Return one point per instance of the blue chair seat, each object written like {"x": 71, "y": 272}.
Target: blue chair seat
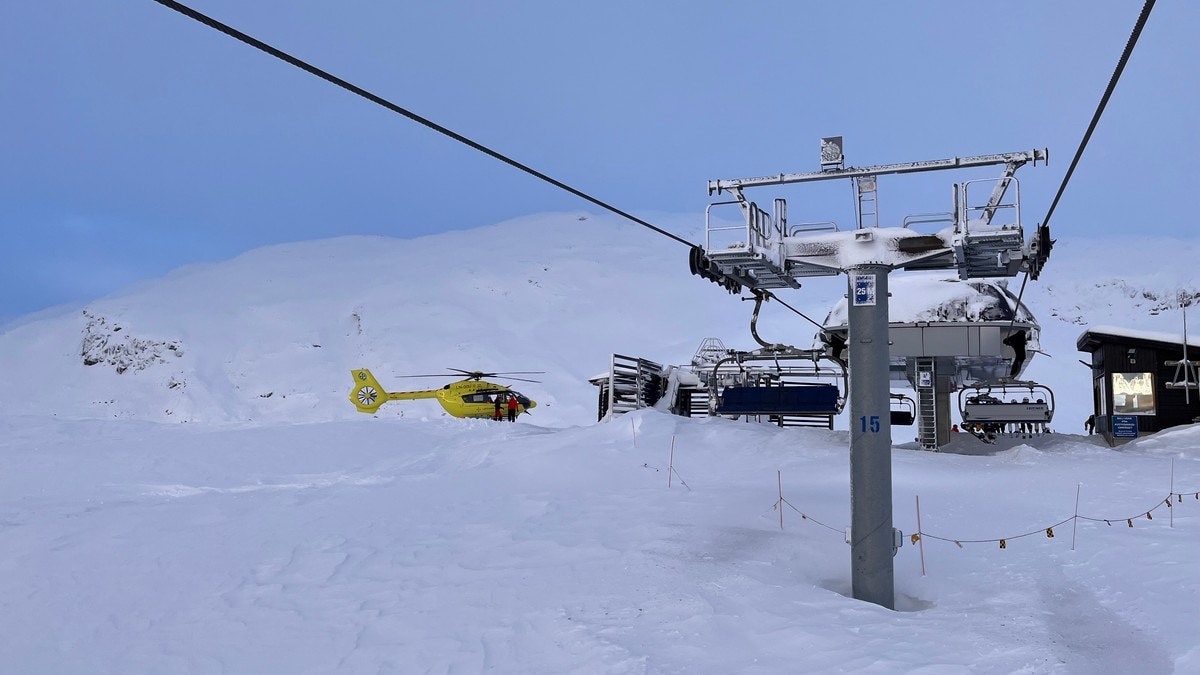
{"x": 788, "y": 400}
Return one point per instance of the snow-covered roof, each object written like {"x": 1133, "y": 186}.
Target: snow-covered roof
{"x": 1134, "y": 334}
{"x": 936, "y": 298}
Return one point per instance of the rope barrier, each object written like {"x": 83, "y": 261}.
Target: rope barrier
{"x": 805, "y": 516}
{"x": 919, "y": 536}
{"x": 1148, "y": 514}
{"x": 1048, "y": 531}
{"x": 1129, "y": 519}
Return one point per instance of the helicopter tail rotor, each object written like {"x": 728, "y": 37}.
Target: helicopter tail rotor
{"x": 367, "y": 394}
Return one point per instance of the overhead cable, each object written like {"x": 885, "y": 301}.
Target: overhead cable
{"x": 802, "y": 315}
{"x": 333, "y": 79}
{"x": 1112, "y": 84}
{"x": 378, "y": 100}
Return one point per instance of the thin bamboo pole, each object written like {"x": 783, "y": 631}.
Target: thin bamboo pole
{"x": 779, "y": 478}
{"x": 920, "y": 536}
{"x": 1171, "y": 494}
{"x": 1075, "y": 520}
{"x": 671, "y": 461}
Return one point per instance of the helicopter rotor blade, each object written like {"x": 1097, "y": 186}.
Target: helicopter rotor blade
{"x": 479, "y": 374}
{"x": 472, "y": 374}
{"x": 441, "y": 375}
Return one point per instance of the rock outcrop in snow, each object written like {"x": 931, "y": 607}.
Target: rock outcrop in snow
{"x": 108, "y": 343}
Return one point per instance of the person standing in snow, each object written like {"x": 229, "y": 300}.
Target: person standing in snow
{"x": 512, "y": 408}
{"x": 499, "y": 403}
{"x": 1090, "y": 424}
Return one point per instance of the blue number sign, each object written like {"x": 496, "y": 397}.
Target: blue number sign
{"x": 864, "y": 290}
{"x": 873, "y": 425}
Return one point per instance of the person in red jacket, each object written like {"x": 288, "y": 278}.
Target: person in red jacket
{"x": 512, "y": 408}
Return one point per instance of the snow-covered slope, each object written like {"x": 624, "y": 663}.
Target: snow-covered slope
{"x": 272, "y": 335}
{"x": 466, "y": 546}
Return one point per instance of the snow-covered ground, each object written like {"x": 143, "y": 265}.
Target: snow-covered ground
{"x": 218, "y": 506}
{"x": 448, "y": 546}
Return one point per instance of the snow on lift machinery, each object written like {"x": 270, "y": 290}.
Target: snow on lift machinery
{"x": 1003, "y": 402}
{"x": 771, "y": 255}
{"x": 794, "y": 392}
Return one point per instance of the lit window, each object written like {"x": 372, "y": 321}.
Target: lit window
{"x": 1133, "y": 393}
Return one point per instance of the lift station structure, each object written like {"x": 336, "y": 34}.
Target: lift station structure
{"x": 974, "y": 337}
{"x": 983, "y": 238}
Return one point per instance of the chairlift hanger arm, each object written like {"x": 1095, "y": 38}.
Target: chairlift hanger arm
{"x": 759, "y": 296}
{"x": 1016, "y": 159}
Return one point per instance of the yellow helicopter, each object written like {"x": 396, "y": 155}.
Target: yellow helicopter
{"x": 470, "y": 397}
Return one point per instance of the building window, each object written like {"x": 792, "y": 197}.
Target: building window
{"x": 1133, "y": 393}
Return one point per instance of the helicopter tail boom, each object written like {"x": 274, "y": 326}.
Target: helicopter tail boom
{"x": 368, "y": 394}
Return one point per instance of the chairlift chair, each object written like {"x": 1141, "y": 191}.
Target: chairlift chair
{"x": 903, "y": 410}
{"x": 787, "y": 395}
{"x": 1027, "y": 406}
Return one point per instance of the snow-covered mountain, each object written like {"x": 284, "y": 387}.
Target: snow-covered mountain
{"x": 272, "y": 335}
{"x": 185, "y": 488}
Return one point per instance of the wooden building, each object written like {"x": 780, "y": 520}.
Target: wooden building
{"x": 1140, "y": 381}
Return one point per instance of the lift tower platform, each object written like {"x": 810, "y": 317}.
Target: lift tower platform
{"x": 984, "y": 238}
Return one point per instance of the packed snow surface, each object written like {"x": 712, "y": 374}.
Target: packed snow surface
{"x": 651, "y": 544}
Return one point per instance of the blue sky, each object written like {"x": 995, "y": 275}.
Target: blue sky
{"x": 136, "y": 140}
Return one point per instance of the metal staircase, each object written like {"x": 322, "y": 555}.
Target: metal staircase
{"x": 926, "y": 404}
